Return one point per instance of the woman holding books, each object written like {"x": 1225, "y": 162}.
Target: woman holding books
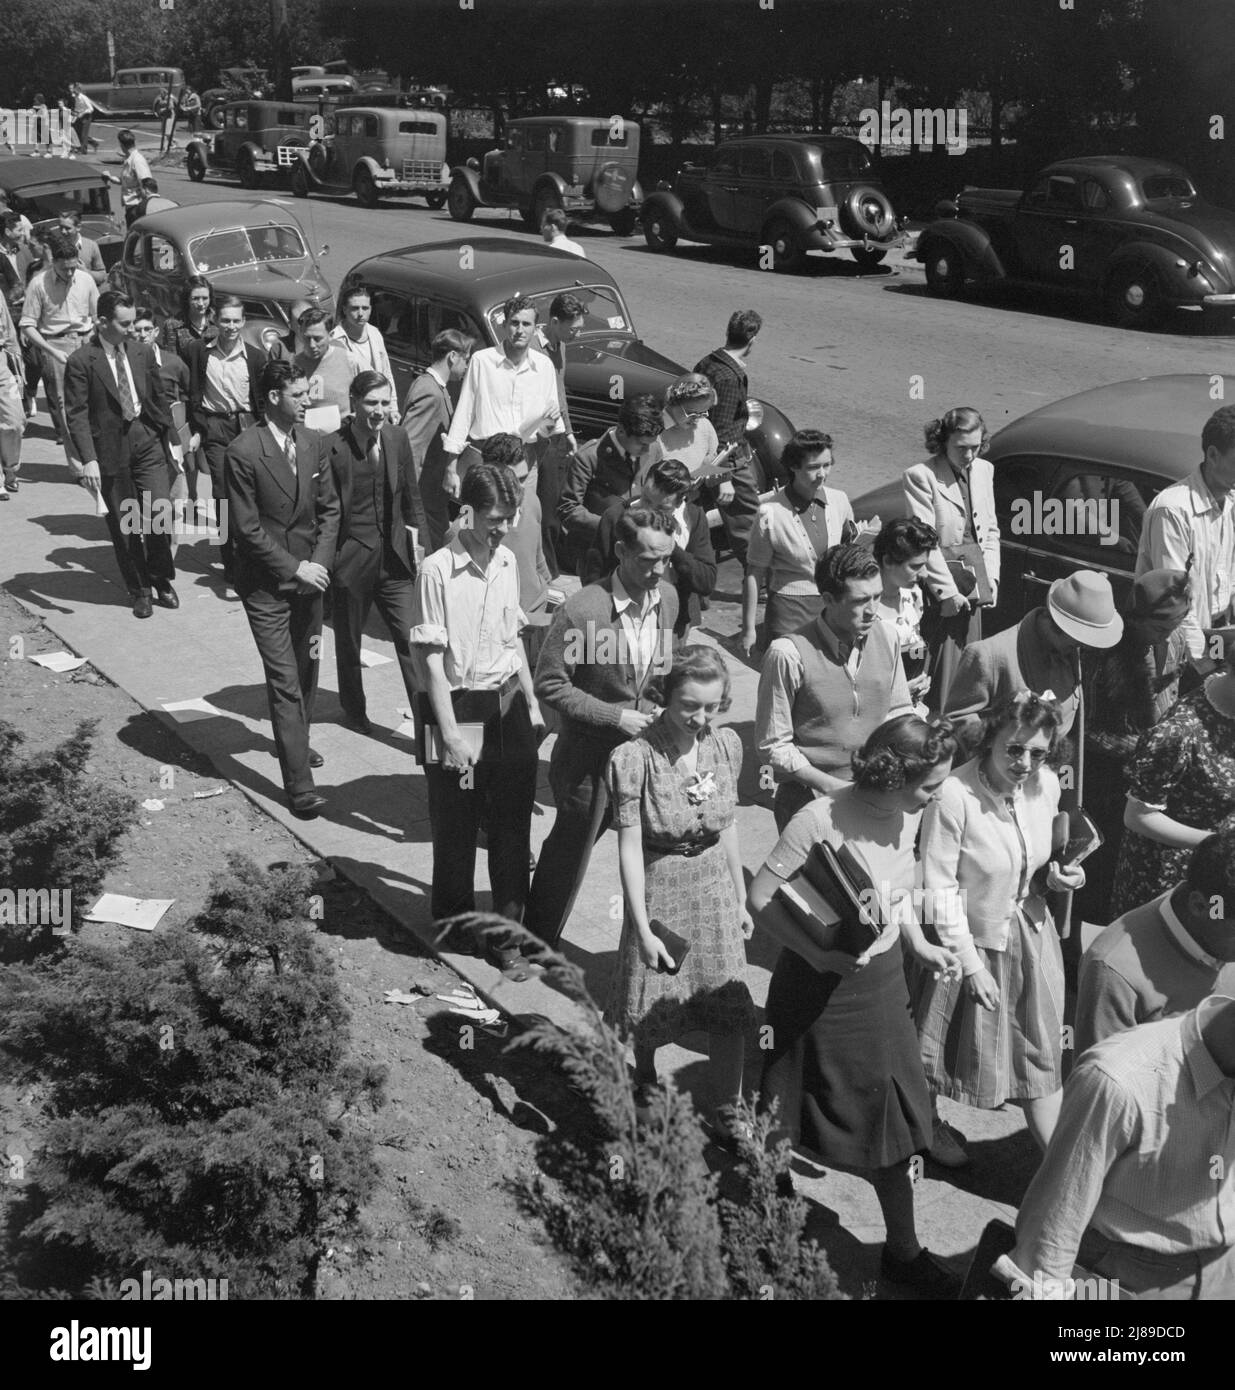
{"x": 844, "y": 1067}
{"x": 953, "y": 490}
{"x": 996, "y": 1033}
{"x": 682, "y": 958}
{"x": 791, "y": 533}
{"x": 902, "y": 549}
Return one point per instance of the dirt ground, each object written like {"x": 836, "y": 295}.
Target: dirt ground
{"x": 459, "y": 1130}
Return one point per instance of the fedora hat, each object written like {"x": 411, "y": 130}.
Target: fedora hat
{"x": 1083, "y": 606}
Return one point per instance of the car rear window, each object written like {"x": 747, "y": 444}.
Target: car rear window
{"x": 1158, "y": 186}
{"x": 754, "y": 163}
{"x": 417, "y": 128}
{"x": 239, "y": 246}
{"x": 845, "y": 163}
{"x": 603, "y": 135}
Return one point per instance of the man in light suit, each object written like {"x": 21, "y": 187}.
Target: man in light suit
{"x": 120, "y": 425}
{"x": 284, "y": 515}
{"x": 426, "y": 417}
{"x": 953, "y": 491}
{"x": 379, "y": 503}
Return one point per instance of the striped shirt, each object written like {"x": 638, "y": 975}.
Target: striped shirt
{"x": 1144, "y": 1151}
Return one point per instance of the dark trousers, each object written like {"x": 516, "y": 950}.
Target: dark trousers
{"x": 218, "y": 431}
{"x": 284, "y": 626}
{"x": 550, "y": 473}
{"x": 576, "y": 776}
{"x": 946, "y": 639}
{"x": 499, "y": 794}
{"x": 81, "y": 128}
{"x": 372, "y": 579}
{"x": 738, "y": 516}
{"x": 434, "y": 501}
{"x": 143, "y": 548}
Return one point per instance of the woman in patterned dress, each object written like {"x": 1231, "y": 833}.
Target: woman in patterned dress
{"x": 843, "y": 1064}
{"x": 1181, "y": 788}
{"x": 903, "y": 549}
{"x": 996, "y": 1034}
{"x": 673, "y": 792}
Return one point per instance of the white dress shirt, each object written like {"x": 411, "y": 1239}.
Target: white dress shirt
{"x": 499, "y": 397}
{"x": 640, "y": 626}
{"x": 118, "y": 361}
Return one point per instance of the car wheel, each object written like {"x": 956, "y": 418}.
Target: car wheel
{"x": 528, "y": 217}
{"x": 459, "y": 200}
{"x": 546, "y": 200}
{"x": 365, "y": 188}
{"x": 624, "y": 222}
{"x": 436, "y": 200}
{"x": 194, "y": 164}
{"x": 300, "y": 180}
{"x": 867, "y": 213}
{"x": 1133, "y": 298}
{"x": 215, "y": 117}
{"x": 868, "y": 260}
{"x": 787, "y": 255}
{"x": 945, "y": 270}
{"x": 659, "y": 233}
{"x": 245, "y": 170}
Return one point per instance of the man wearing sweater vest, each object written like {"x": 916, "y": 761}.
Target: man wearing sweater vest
{"x": 606, "y": 643}
{"x": 824, "y": 689}
{"x": 1166, "y": 956}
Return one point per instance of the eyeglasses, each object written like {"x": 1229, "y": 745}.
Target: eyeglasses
{"x": 1017, "y": 751}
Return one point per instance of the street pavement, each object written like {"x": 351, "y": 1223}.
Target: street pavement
{"x": 55, "y": 557}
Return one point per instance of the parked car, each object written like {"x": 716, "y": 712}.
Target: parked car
{"x": 132, "y": 91}
{"x": 40, "y": 189}
{"x": 326, "y": 88}
{"x": 258, "y": 251}
{"x": 1133, "y": 231}
{"x": 1073, "y": 480}
{"x": 257, "y": 140}
{"x": 420, "y": 290}
{"x": 235, "y": 84}
{"x": 584, "y": 164}
{"x": 794, "y": 193}
{"x": 377, "y": 152}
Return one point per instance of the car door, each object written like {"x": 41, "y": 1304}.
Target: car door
{"x": 1098, "y": 232}
{"x": 1047, "y": 228}
{"x": 510, "y": 165}
{"x": 720, "y": 190}
{"x": 754, "y": 190}
{"x": 164, "y": 274}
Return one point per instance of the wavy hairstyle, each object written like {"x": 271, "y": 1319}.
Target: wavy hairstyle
{"x": 1026, "y": 710}
{"x": 901, "y": 751}
{"x": 959, "y": 421}
{"x": 693, "y": 662}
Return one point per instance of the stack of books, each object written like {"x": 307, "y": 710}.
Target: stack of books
{"x": 832, "y": 898}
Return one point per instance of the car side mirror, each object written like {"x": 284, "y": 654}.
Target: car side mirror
{"x": 324, "y": 250}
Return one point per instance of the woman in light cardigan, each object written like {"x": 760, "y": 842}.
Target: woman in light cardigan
{"x": 996, "y": 1034}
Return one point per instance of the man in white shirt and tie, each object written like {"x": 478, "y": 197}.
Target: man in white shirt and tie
{"x": 507, "y": 390}
{"x": 120, "y": 423}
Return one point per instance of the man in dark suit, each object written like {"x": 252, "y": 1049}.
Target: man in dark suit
{"x": 426, "y": 417}
{"x": 379, "y": 502}
{"x": 738, "y": 497}
{"x": 224, "y": 399}
{"x": 284, "y": 515}
{"x": 118, "y": 418}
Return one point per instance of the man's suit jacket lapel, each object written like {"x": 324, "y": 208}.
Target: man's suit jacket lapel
{"x": 276, "y": 462}
{"x": 307, "y": 463}
{"x": 390, "y": 444}
{"x": 103, "y": 369}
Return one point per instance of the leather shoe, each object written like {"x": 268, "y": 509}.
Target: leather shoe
{"x": 357, "y": 726}
{"x": 925, "y": 1272}
{"x": 315, "y": 758}
{"x": 306, "y": 805}
{"x": 142, "y": 607}
{"x": 165, "y": 597}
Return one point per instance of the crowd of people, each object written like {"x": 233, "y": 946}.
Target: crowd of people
{"x": 947, "y": 764}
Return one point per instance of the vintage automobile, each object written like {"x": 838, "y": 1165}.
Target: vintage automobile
{"x": 1073, "y": 480}
{"x": 257, "y": 251}
{"x": 377, "y": 152}
{"x": 40, "y": 189}
{"x": 1133, "y": 231}
{"x": 328, "y": 87}
{"x": 257, "y": 140}
{"x": 794, "y": 193}
{"x": 235, "y": 84}
{"x": 420, "y": 290}
{"x": 132, "y": 91}
{"x": 584, "y": 164}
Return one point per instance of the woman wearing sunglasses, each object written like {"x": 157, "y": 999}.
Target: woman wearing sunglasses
{"x": 689, "y": 435}
{"x": 996, "y": 1034}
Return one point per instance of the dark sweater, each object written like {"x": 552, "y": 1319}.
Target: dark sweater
{"x": 590, "y": 694}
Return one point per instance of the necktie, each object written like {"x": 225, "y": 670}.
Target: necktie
{"x": 289, "y": 453}
{"x": 374, "y": 452}
{"x": 962, "y": 481}
{"x": 128, "y": 406}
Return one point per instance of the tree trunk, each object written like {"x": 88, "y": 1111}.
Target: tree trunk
{"x": 763, "y": 103}
{"x": 280, "y": 51}
{"x": 718, "y": 99}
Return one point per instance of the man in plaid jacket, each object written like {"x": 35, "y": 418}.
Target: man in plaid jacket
{"x": 725, "y": 368}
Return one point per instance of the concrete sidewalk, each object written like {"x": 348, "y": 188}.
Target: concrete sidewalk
{"x": 55, "y": 557}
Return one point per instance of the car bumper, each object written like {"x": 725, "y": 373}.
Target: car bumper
{"x": 829, "y": 239}
{"x": 1218, "y": 301}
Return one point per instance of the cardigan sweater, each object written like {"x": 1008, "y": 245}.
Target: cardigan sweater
{"x": 780, "y": 547}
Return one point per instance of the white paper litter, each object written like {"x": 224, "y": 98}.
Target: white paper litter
{"x": 188, "y": 711}
{"x": 142, "y": 913}
{"x": 323, "y": 417}
{"x": 59, "y": 661}
{"x": 214, "y": 791}
{"x": 374, "y": 658}
{"x": 152, "y": 805}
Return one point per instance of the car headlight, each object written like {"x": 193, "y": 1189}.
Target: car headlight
{"x": 754, "y": 415}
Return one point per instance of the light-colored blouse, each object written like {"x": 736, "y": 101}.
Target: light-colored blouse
{"x": 780, "y": 549}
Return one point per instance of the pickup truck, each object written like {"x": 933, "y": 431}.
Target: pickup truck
{"x": 1132, "y": 232}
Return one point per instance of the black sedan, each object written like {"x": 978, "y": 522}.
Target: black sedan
{"x": 1133, "y": 231}
{"x": 420, "y": 290}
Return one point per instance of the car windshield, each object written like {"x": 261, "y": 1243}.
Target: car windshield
{"x": 237, "y": 246}
{"x": 1157, "y": 187}
{"x": 605, "y": 313}
{"x": 845, "y": 163}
